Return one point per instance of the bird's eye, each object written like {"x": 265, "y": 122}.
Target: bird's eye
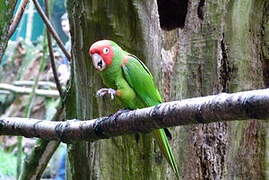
{"x": 105, "y": 50}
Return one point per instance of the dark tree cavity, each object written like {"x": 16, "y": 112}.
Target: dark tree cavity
{"x": 172, "y": 13}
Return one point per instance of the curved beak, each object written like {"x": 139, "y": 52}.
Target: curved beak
{"x": 98, "y": 62}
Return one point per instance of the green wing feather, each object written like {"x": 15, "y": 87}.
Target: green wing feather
{"x": 140, "y": 79}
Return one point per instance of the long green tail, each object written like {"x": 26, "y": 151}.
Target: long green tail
{"x": 162, "y": 140}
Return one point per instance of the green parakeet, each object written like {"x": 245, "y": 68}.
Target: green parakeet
{"x": 130, "y": 80}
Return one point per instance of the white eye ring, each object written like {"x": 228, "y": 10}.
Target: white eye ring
{"x": 105, "y": 50}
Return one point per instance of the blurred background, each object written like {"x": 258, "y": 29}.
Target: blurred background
{"x": 25, "y": 67}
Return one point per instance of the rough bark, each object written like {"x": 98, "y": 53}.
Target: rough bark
{"x": 195, "y": 72}
{"x": 244, "y": 55}
{"x": 217, "y": 48}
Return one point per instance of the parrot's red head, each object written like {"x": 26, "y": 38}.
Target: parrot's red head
{"x": 102, "y": 54}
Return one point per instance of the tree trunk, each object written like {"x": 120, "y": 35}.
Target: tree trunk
{"x": 193, "y": 48}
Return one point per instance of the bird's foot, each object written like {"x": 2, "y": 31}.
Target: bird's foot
{"x": 104, "y": 91}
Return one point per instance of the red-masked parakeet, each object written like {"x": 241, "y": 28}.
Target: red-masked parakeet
{"x": 130, "y": 80}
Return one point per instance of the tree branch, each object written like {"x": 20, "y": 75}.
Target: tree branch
{"x": 223, "y": 107}
{"x": 51, "y": 29}
{"x": 37, "y": 161}
{"x": 52, "y": 60}
{"x": 22, "y": 90}
{"x": 16, "y": 20}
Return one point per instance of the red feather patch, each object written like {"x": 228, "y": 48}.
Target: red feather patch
{"x": 124, "y": 61}
{"x": 99, "y": 46}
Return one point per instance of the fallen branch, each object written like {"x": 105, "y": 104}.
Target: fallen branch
{"x": 222, "y": 107}
{"x": 44, "y": 84}
{"x": 22, "y": 90}
{"x": 4, "y": 92}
